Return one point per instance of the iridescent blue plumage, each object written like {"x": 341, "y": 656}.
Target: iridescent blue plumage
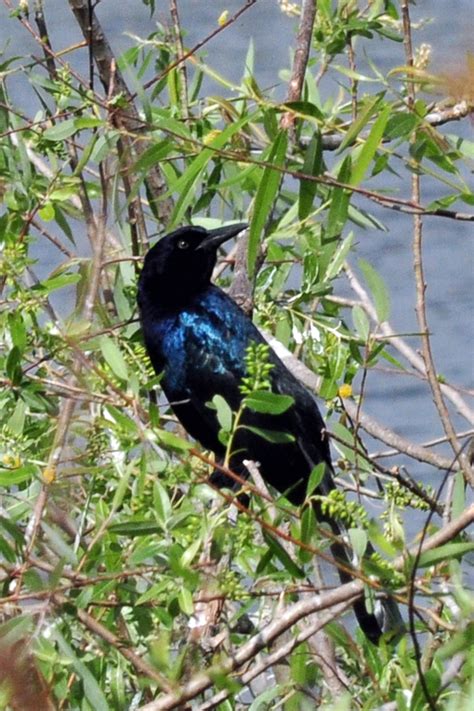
{"x": 210, "y": 329}
{"x": 197, "y": 337}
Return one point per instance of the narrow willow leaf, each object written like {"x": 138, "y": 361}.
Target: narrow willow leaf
{"x": 445, "y": 553}
{"x": 378, "y": 288}
{"x": 62, "y": 130}
{"x": 171, "y": 440}
{"x": 340, "y": 198}
{"x": 361, "y": 322}
{"x": 113, "y": 357}
{"x": 135, "y": 528}
{"x": 339, "y": 256}
{"x": 161, "y": 502}
{"x": 370, "y": 146}
{"x": 16, "y": 421}
{"x": 315, "y": 478}
{"x": 153, "y": 155}
{"x": 266, "y": 191}
{"x": 313, "y": 165}
{"x": 269, "y": 403}
{"x": 184, "y": 185}
{"x": 223, "y": 412}
{"x": 359, "y": 540}
{"x": 271, "y": 435}
{"x": 92, "y": 691}
{"x": 17, "y": 475}
{"x": 362, "y": 119}
{"x": 17, "y": 330}
{"x": 185, "y": 600}
{"x": 285, "y": 559}
{"x": 307, "y": 531}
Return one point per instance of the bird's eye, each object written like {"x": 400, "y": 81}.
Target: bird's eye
{"x": 183, "y": 244}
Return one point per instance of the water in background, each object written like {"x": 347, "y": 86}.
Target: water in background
{"x": 404, "y": 404}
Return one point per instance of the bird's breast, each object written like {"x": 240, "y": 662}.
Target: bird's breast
{"x": 196, "y": 343}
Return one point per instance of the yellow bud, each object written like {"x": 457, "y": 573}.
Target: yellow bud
{"x": 49, "y": 474}
{"x": 211, "y": 136}
{"x": 223, "y": 17}
{"x": 12, "y": 461}
{"x": 345, "y": 390}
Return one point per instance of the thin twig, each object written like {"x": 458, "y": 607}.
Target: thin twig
{"x": 181, "y": 67}
{"x": 300, "y": 60}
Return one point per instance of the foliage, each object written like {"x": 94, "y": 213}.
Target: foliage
{"x": 125, "y": 574}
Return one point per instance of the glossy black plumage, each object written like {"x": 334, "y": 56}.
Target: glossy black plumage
{"x": 198, "y": 337}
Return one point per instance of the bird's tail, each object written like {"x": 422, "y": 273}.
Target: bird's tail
{"x": 386, "y": 617}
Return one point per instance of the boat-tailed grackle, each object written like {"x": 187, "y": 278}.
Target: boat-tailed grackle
{"x": 198, "y": 337}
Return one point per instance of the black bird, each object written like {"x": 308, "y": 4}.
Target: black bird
{"x": 198, "y": 337}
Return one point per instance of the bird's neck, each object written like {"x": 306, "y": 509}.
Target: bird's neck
{"x": 160, "y": 303}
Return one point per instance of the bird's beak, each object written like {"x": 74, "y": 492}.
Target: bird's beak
{"x": 214, "y": 238}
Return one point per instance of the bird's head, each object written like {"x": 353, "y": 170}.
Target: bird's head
{"x": 180, "y": 265}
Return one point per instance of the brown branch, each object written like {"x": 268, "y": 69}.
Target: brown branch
{"x": 129, "y": 120}
{"x": 341, "y": 597}
{"x": 420, "y": 283}
{"x": 182, "y": 73}
{"x": 279, "y": 655}
{"x": 300, "y": 60}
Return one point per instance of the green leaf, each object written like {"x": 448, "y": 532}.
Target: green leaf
{"x": 171, "y": 440}
{"x": 362, "y": 119}
{"x": 370, "y": 146}
{"x": 47, "y": 212}
{"x": 307, "y": 531}
{"x": 113, "y": 357}
{"x": 359, "y": 540}
{"x": 16, "y": 421}
{"x": 378, "y": 289}
{"x": 135, "y": 528}
{"x": 153, "y": 155}
{"x": 17, "y": 330}
{"x": 223, "y": 412}
{"x": 83, "y": 122}
{"x": 62, "y": 130}
{"x": 361, "y": 322}
{"x": 315, "y": 478}
{"x": 285, "y": 559}
{"x": 340, "y": 198}
{"x": 271, "y": 435}
{"x": 306, "y": 109}
{"x": 339, "y": 256}
{"x": 161, "y": 502}
{"x": 58, "y": 282}
{"x": 263, "y": 203}
{"x": 185, "y": 600}
{"x": 459, "y": 495}
{"x": 18, "y": 475}
{"x": 13, "y": 366}
{"x": 92, "y": 691}
{"x": 184, "y": 186}
{"x": 313, "y": 165}
{"x": 445, "y": 553}
{"x": 268, "y": 403}
{"x": 401, "y": 125}
{"x": 122, "y": 486}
